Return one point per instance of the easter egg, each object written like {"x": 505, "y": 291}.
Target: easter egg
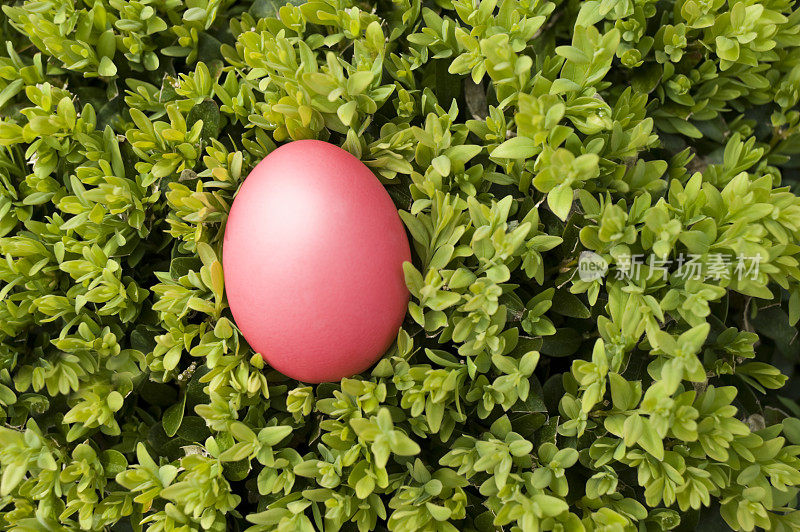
{"x": 313, "y": 258}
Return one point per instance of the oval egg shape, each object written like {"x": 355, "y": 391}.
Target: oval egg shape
{"x": 313, "y": 258}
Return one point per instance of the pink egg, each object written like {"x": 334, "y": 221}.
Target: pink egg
{"x": 313, "y": 258}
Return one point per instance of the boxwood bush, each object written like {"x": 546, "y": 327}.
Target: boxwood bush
{"x": 559, "y": 166}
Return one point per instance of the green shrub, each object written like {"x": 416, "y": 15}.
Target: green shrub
{"x": 523, "y": 141}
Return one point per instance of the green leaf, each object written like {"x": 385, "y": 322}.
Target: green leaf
{"x": 516, "y": 148}
{"x": 563, "y": 343}
{"x": 273, "y": 435}
{"x": 11, "y": 90}
{"x": 560, "y": 201}
{"x": 208, "y": 112}
{"x": 173, "y": 417}
{"x": 791, "y": 428}
{"x": 107, "y": 68}
{"x": 12, "y": 476}
{"x": 570, "y": 305}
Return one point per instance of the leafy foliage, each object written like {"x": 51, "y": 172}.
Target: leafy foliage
{"x": 514, "y": 136}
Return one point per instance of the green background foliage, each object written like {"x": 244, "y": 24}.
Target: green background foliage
{"x": 513, "y": 135}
